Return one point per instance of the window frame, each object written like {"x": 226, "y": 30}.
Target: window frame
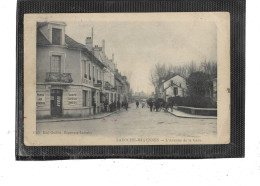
{"x": 52, "y": 61}
{"x": 60, "y": 36}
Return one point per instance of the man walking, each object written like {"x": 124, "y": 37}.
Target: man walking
{"x": 118, "y": 104}
{"x": 151, "y": 106}
{"x": 137, "y": 104}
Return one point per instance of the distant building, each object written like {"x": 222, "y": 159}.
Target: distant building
{"x": 139, "y": 95}
{"x": 172, "y": 87}
{"x": 122, "y": 87}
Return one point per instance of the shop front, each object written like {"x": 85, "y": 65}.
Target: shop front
{"x": 67, "y": 101}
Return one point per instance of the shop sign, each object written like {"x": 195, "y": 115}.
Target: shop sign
{"x": 40, "y": 99}
{"x": 72, "y": 98}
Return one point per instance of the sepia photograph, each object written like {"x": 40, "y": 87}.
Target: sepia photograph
{"x": 120, "y": 79}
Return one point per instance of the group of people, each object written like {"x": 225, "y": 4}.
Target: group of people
{"x": 137, "y": 104}
{"x": 150, "y": 104}
{"x": 115, "y": 105}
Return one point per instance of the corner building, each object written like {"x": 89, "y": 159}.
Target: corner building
{"x": 70, "y": 78}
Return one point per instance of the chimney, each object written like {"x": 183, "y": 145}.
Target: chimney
{"x": 89, "y": 43}
{"x": 103, "y": 45}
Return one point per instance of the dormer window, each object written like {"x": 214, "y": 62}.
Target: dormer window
{"x": 56, "y": 36}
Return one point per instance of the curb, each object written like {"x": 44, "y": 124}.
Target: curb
{"x": 189, "y": 117}
{"x": 77, "y": 119}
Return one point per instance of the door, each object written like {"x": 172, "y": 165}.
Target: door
{"x": 56, "y": 103}
{"x": 94, "y": 103}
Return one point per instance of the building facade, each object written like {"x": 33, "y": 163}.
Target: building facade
{"x": 72, "y": 81}
{"x": 172, "y": 87}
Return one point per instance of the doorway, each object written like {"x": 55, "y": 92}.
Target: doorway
{"x": 56, "y": 103}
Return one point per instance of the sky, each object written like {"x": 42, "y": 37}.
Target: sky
{"x": 138, "y": 46}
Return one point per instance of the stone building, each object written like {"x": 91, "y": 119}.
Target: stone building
{"x": 109, "y": 91}
{"x": 172, "y": 87}
{"x": 70, "y": 78}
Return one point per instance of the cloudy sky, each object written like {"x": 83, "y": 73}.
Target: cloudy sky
{"x": 138, "y": 46}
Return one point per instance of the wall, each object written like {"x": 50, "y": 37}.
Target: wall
{"x": 70, "y": 62}
{"x": 72, "y": 101}
{"x": 178, "y": 80}
{"x": 43, "y": 101}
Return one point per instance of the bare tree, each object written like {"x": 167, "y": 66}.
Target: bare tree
{"x": 162, "y": 72}
{"x": 210, "y": 68}
{"x": 158, "y": 73}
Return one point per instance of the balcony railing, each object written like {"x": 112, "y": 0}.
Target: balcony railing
{"x": 107, "y": 86}
{"x": 58, "y": 77}
{"x": 98, "y": 84}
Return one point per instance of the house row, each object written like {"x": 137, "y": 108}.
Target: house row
{"x": 74, "y": 79}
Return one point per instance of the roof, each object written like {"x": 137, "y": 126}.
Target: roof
{"x": 41, "y": 39}
{"x": 169, "y": 77}
{"x": 171, "y": 86}
{"x": 71, "y": 43}
{"x": 41, "y": 24}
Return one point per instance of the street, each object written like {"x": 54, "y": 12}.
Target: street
{"x": 135, "y": 122}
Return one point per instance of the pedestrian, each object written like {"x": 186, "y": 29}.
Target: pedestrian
{"x": 126, "y": 105}
{"x": 94, "y": 106}
{"x": 151, "y": 106}
{"x": 137, "y": 104}
{"x": 118, "y": 105}
{"x": 143, "y": 104}
{"x": 106, "y": 105}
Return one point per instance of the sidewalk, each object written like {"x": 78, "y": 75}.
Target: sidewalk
{"x": 181, "y": 114}
{"x": 92, "y": 117}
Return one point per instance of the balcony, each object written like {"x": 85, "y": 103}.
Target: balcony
{"x": 58, "y": 77}
{"x": 107, "y": 86}
{"x": 98, "y": 84}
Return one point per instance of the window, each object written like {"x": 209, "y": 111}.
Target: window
{"x": 85, "y": 98}
{"x": 175, "y": 91}
{"x": 93, "y": 73}
{"x": 97, "y": 74}
{"x": 56, "y": 36}
{"x": 55, "y": 64}
{"x": 89, "y": 71}
{"x": 84, "y": 66}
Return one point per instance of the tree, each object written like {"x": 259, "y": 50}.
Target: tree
{"x": 210, "y": 68}
{"x": 158, "y": 74}
{"x": 198, "y": 84}
{"x": 162, "y": 72}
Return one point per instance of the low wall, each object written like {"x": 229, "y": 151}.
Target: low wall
{"x": 198, "y": 111}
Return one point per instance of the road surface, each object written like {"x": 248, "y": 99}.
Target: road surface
{"x": 136, "y": 122}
